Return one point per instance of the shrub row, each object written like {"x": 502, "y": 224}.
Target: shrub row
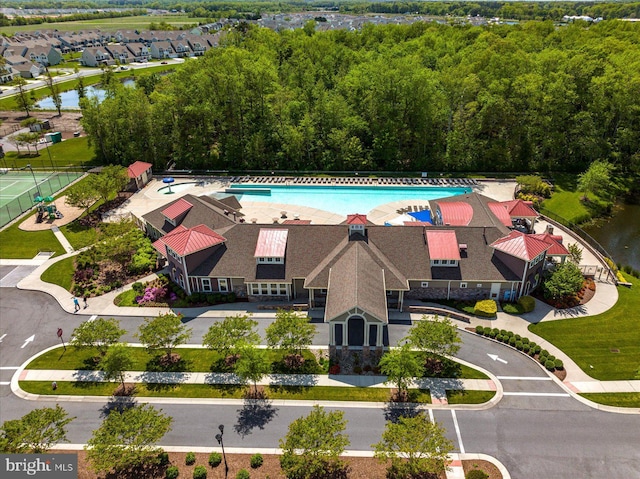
{"x": 522, "y": 344}
{"x": 200, "y": 472}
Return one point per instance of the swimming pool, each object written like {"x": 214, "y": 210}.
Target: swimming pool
{"x": 343, "y": 200}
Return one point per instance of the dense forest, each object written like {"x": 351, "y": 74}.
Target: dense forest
{"x": 421, "y": 97}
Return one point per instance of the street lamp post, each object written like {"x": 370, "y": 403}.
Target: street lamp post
{"x": 219, "y": 438}
{"x": 34, "y": 178}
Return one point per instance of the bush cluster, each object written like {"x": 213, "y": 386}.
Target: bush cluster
{"x": 243, "y": 474}
{"x": 215, "y": 458}
{"x": 200, "y": 472}
{"x": 486, "y": 308}
{"x": 256, "y": 461}
{"x": 172, "y": 472}
{"x": 476, "y": 474}
{"x": 527, "y": 303}
{"x": 190, "y": 459}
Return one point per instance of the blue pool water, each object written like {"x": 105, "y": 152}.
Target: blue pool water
{"x": 342, "y": 200}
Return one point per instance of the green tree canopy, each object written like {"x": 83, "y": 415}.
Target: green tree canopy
{"x": 252, "y": 366}
{"x": 313, "y": 445}
{"x": 597, "y": 179}
{"x": 100, "y": 334}
{"x": 401, "y": 365}
{"x": 126, "y": 439}
{"x": 291, "y": 331}
{"x": 231, "y": 334}
{"x": 117, "y": 362}
{"x": 438, "y": 336}
{"x": 35, "y": 432}
{"x": 565, "y": 280}
{"x": 415, "y": 446}
{"x": 165, "y": 331}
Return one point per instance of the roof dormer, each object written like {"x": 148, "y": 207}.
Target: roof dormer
{"x": 444, "y": 249}
{"x": 176, "y": 211}
{"x": 356, "y": 224}
{"x": 271, "y": 246}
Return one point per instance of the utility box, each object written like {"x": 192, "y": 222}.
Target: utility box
{"x": 55, "y": 137}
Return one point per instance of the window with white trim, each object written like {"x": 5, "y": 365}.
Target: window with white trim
{"x": 268, "y": 289}
{"x": 323, "y": 291}
{"x": 270, "y": 260}
{"x": 463, "y": 285}
{"x": 536, "y": 260}
{"x": 453, "y": 262}
{"x": 424, "y": 284}
{"x": 223, "y": 285}
{"x": 174, "y": 254}
{"x": 181, "y": 280}
{"x": 206, "y": 285}
{"x": 444, "y": 262}
{"x": 435, "y": 262}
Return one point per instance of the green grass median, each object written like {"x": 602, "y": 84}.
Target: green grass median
{"x": 614, "y": 399}
{"x": 469, "y": 397}
{"x": 605, "y": 346}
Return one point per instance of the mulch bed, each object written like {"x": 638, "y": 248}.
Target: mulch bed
{"x": 359, "y": 467}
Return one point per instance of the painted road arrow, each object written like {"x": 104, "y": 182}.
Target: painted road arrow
{"x": 2, "y": 337}
{"x": 28, "y": 340}
{"x": 496, "y": 358}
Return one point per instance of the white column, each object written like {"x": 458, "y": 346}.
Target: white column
{"x": 366, "y": 333}
{"x": 379, "y": 338}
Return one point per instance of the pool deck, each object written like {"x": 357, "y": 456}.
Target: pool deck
{"x": 150, "y": 198}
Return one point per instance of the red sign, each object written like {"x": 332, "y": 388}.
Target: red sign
{"x": 59, "y": 332}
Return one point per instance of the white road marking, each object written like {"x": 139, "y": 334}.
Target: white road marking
{"x": 496, "y": 358}
{"x": 526, "y": 378}
{"x": 28, "y": 340}
{"x": 2, "y": 337}
{"x": 455, "y": 424}
{"x": 4, "y": 383}
{"x": 92, "y": 318}
{"x": 431, "y": 416}
{"x": 6, "y": 368}
{"x": 558, "y": 395}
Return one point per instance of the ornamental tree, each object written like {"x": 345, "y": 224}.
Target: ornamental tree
{"x": 313, "y": 445}
{"x": 99, "y": 334}
{"x": 565, "y": 280}
{"x": 291, "y": 331}
{"x": 230, "y": 335}
{"x": 415, "y": 446}
{"x": 252, "y": 366}
{"x": 165, "y": 331}
{"x": 127, "y": 438}
{"x": 401, "y": 365}
{"x": 35, "y": 432}
{"x": 438, "y": 336}
{"x": 116, "y": 363}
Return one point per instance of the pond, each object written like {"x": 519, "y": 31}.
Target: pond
{"x": 70, "y": 100}
{"x": 620, "y": 235}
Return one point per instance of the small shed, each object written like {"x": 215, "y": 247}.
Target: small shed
{"x": 140, "y": 173}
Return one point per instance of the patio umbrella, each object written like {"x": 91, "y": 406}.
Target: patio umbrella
{"x": 48, "y": 199}
{"x": 168, "y": 181}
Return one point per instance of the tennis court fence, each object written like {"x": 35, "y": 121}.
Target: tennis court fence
{"x": 25, "y": 201}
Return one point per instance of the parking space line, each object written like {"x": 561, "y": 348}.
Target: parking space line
{"x": 6, "y": 368}
{"x": 558, "y": 395}
{"x": 455, "y": 424}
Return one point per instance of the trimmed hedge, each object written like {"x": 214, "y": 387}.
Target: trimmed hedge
{"x": 215, "y": 458}
{"x": 172, "y": 472}
{"x": 256, "y": 461}
{"x": 243, "y": 474}
{"x": 486, "y": 308}
{"x": 527, "y": 303}
{"x": 190, "y": 459}
{"x": 476, "y": 474}
{"x": 200, "y": 472}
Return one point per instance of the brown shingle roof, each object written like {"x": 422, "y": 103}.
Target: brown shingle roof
{"x": 202, "y": 212}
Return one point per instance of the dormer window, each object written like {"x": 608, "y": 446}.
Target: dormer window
{"x": 443, "y": 247}
{"x": 271, "y": 246}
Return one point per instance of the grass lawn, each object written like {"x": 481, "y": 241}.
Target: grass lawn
{"x": 606, "y": 346}
{"x": 15, "y": 243}
{"x": 567, "y": 204}
{"x": 313, "y": 393}
{"x": 60, "y": 273}
{"x": 469, "y": 397}
{"x": 107, "y": 24}
{"x": 68, "y": 153}
{"x": 614, "y": 399}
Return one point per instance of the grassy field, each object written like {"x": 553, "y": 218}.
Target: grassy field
{"x": 69, "y": 153}
{"x": 469, "y": 397}
{"x": 107, "y": 24}
{"x": 605, "y": 346}
{"x": 614, "y": 399}
{"x": 60, "y": 273}
{"x": 15, "y": 243}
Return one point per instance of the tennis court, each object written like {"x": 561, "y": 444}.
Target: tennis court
{"x": 18, "y": 190}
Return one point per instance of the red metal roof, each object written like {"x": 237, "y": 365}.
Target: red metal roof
{"x": 443, "y": 245}
{"x": 520, "y": 209}
{"x": 160, "y": 245}
{"x": 194, "y": 239}
{"x": 500, "y": 210}
{"x": 520, "y": 245}
{"x": 456, "y": 213}
{"x": 357, "y": 219}
{"x": 272, "y": 243}
{"x": 176, "y": 209}
{"x": 136, "y": 169}
{"x": 557, "y": 248}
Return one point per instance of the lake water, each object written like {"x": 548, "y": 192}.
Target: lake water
{"x": 70, "y": 100}
{"x": 620, "y": 235}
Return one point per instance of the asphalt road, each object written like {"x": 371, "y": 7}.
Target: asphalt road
{"x": 536, "y": 430}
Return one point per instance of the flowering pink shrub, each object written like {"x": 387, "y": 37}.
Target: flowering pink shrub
{"x": 152, "y": 295}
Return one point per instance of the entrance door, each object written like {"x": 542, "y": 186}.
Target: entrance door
{"x": 495, "y": 290}
{"x": 355, "y": 327}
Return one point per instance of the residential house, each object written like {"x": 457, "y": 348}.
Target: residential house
{"x": 96, "y": 56}
{"x": 162, "y": 49}
{"x": 119, "y": 53}
{"x": 7, "y": 73}
{"x": 182, "y": 48}
{"x": 356, "y": 271}
{"x": 46, "y": 56}
{"x": 139, "y": 51}
{"x": 28, "y": 69}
